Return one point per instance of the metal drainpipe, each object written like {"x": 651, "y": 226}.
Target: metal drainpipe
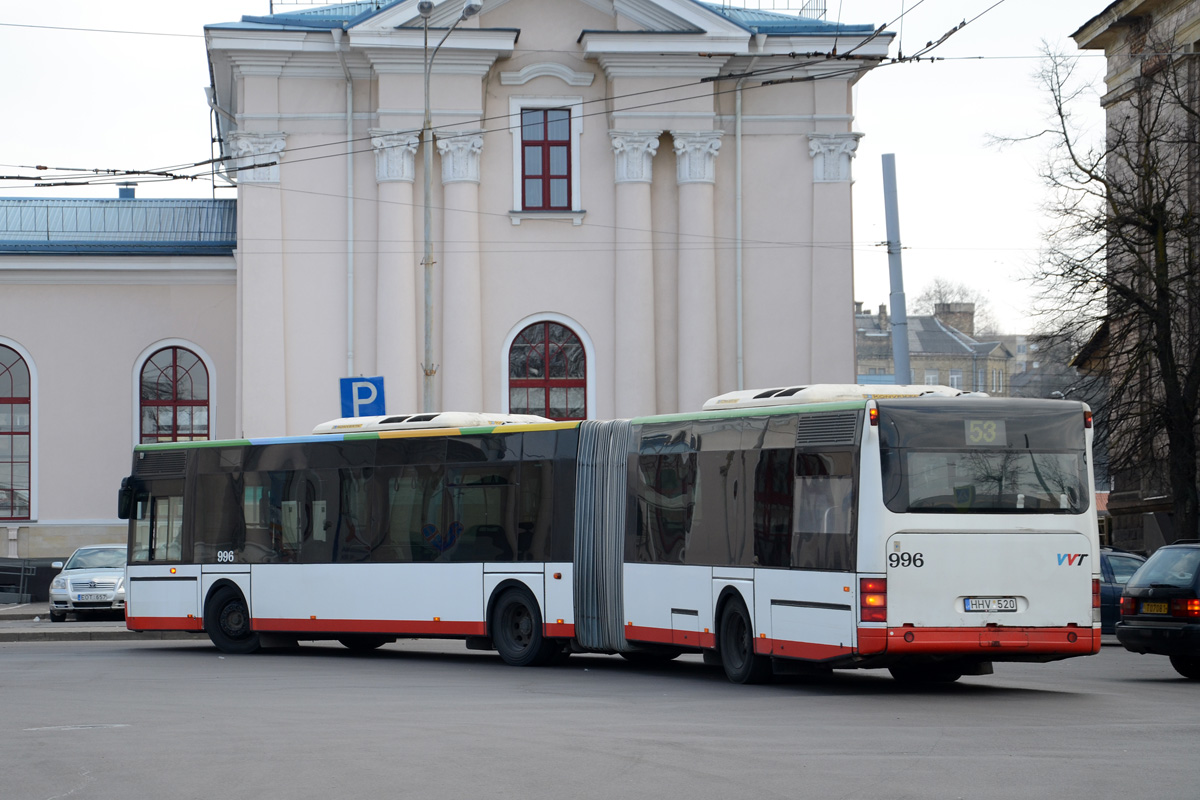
{"x": 337, "y": 45}
{"x": 760, "y": 39}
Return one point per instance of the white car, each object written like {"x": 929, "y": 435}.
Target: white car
{"x": 93, "y": 580}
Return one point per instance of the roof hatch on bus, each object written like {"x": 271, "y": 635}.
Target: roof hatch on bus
{"x": 442, "y": 419}
{"x": 823, "y": 393}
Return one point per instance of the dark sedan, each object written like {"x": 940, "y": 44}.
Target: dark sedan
{"x": 1160, "y": 608}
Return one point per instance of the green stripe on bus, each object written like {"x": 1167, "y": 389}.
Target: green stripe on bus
{"x": 760, "y": 411}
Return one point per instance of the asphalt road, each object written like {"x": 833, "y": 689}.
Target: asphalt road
{"x": 178, "y": 719}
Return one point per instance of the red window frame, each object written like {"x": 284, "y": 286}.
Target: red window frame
{"x": 15, "y": 454}
{"x": 173, "y": 388}
{"x": 537, "y": 147}
{"x": 548, "y": 357}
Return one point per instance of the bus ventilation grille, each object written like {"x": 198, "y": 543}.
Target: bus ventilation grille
{"x": 827, "y": 429}
{"x": 167, "y": 463}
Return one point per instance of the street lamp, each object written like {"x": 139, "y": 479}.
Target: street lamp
{"x": 425, "y": 9}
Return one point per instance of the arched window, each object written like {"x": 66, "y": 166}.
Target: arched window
{"x": 174, "y": 397}
{"x": 14, "y": 435}
{"x": 547, "y": 373}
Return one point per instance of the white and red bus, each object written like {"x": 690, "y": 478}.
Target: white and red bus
{"x": 792, "y": 529}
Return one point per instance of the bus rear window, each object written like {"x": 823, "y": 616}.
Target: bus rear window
{"x": 987, "y": 456}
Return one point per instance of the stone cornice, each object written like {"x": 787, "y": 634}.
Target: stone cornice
{"x": 643, "y": 65}
{"x": 547, "y": 69}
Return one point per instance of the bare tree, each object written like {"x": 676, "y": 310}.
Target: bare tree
{"x": 1121, "y": 270}
{"x": 941, "y": 290}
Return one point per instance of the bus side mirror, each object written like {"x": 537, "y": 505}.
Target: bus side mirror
{"x": 125, "y": 498}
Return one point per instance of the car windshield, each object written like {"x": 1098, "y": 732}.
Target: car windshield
{"x": 98, "y": 558}
{"x": 1169, "y": 567}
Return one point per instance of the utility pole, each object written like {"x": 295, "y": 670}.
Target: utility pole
{"x": 896, "y": 272}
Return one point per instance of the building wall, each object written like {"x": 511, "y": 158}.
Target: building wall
{"x": 654, "y": 297}
{"x": 85, "y": 324}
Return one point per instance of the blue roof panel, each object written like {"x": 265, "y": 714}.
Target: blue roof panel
{"x": 122, "y": 226}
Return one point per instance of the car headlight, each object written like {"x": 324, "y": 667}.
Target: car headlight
{"x": 59, "y": 583}
{"x": 121, "y": 584}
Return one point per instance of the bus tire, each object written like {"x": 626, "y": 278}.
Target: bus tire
{"x": 364, "y": 642}
{"x": 736, "y": 636}
{"x": 925, "y": 673}
{"x": 517, "y": 631}
{"x": 227, "y": 622}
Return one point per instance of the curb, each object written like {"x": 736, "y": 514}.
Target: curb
{"x": 95, "y": 636}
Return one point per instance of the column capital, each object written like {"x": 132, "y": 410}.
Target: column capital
{"x": 634, "y": 152}
{"x": 460, "y": 155}
{"x": 395, "y": 155}
{"x": 831, "y": 154}
{"x": 696, "y": 156}
{"x": 254, "y": 153}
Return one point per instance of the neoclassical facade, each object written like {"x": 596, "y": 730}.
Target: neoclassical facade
{"x": 658, "y": 193}
{"x": 633, "y": 206}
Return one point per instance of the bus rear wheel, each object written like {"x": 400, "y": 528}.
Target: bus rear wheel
{"x": 227, "y": 622}
{"x": 517, "y": 631}
{"x": 925, "y": 673}
{"x": 741, "y": 663}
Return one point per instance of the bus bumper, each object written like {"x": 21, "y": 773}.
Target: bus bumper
{"x": 992, "y": 643}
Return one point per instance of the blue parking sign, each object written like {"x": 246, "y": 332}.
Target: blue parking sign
{"x": 363, "y": 397}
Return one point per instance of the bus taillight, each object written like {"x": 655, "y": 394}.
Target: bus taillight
{"x": 1087, "y": 419}
{"x": 1095, "y": 592}
{"x": 872, "y": 599}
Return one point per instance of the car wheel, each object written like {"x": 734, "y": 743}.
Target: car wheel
{"x": 58, "y": 617}
{"x": 517, "y": 631}
{"x": 227, "y": 622}
{"x": 1187, "y": 667}
{"x": 741, "y": 663}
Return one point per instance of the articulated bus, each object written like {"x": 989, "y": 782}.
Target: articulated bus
{"x": 799, "y": 529}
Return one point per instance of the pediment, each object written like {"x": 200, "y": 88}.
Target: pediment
{"x": 629, "y": 16}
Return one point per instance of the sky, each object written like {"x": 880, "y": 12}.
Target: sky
{"x": 120, "y": 85}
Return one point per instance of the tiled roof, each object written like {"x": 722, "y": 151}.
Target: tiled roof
{"x": 119, "y": 227}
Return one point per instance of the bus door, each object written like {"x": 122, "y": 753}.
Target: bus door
{"x": 811, "y": 610}
{"x": 162, "y": 593}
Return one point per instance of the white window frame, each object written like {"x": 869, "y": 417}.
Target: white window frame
{"x": 956, "y": 379}
{"x": 31, "y": 365}
{"x": 589, "y": 353}
{"x": 140, "y": 362}
{"x": 931, "y": 377}
{"x": 518, "y": 103}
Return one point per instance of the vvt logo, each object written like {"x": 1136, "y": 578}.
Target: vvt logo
{"x": 1071, "y": 559}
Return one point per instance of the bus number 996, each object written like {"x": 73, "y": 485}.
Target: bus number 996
{"x": 225, "y": 556}
{"x": 906, "y": 560}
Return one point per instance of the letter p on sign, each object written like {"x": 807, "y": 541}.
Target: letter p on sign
{"x": 363, "y": 397}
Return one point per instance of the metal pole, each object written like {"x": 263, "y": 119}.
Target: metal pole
{"x": 470, "y": 9}
{"x": 427, "y": 365}
{"x": 896, "y": 271}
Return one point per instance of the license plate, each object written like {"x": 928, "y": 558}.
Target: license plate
{"x": 1156, "y": 608}
{"x": 91, "y": 598}
{"x": 991, "y": 604}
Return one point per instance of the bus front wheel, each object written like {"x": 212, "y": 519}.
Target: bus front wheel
{"x": 227, "y": 622}
{"x": 741, "y": 663}
{"x": 517, "y": 631}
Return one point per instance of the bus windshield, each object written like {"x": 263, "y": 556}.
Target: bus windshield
{"x": 987, "y": 457}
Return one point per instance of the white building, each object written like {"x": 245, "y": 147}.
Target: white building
{"x": 635, "y": 206}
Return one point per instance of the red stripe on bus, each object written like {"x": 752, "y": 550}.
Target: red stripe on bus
{"x": 404, "y": 627}
{"x": 164, "y": 623}
{"x": 997, "y": 640}
{"x": 682, "y": 638}
{"x": 784, "y": 648}
{"x": 558, "y": 630}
